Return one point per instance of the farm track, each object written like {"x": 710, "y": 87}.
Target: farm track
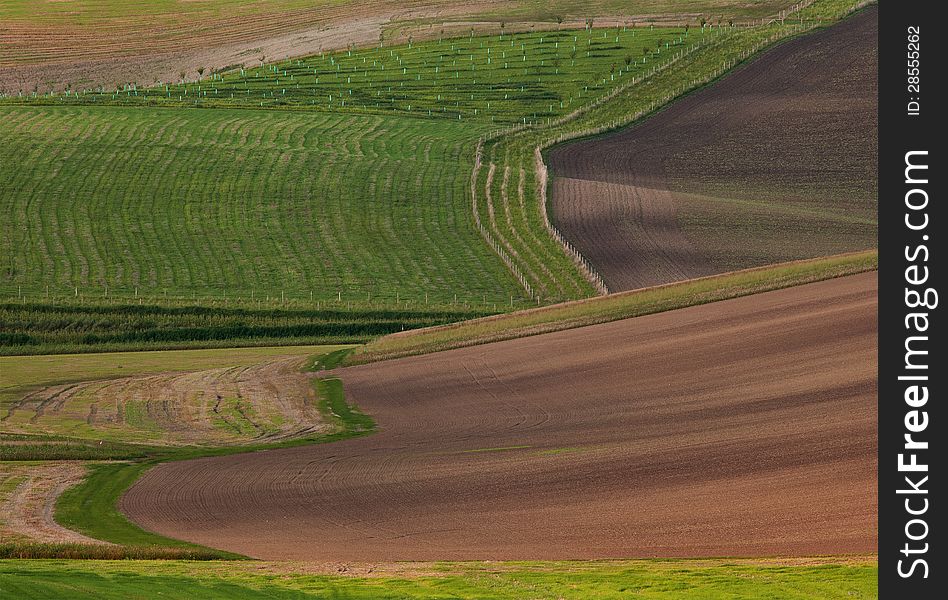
{"x": 740, "y": 428}
{"x": 774, "y": 162}
{"x": 28, "y": 507}
{"x": 37, "y": 53}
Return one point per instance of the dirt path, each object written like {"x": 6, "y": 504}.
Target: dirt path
{"x": 738, "y": 428}
{"x": 775, "y": 162}
{"x": 28, "y": 511}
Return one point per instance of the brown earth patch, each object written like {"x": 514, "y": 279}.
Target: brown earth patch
{"x": 774, "y": 162}
{"x": 746, "y": 427}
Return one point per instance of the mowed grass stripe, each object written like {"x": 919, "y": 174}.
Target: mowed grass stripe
{"x": 171, "y": 200}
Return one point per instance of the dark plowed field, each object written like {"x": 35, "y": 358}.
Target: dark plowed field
{"x": 774, "y": 162}
{"x": 743, "y": 427}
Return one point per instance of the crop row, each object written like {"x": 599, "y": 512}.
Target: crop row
{"x": 239, "y": 203}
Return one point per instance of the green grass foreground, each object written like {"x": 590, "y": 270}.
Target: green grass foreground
{"x": 603, "y": 309}
{"x": 644, "y": 579}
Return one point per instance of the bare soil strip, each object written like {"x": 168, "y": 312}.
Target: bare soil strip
{"x": 767, "y": 165}
{"x": 745, "y": 427}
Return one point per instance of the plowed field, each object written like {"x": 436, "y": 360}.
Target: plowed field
{"x": 742, "y": 427}
{"x": 775, "y": 162}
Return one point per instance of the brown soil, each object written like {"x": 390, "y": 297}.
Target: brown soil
{"x": 775, "y": 162}
{"x": 742, "y": 428}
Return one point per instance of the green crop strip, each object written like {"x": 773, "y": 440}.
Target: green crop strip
{"x": 46, "y": 327}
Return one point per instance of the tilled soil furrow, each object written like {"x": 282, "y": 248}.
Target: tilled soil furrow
{"x": 739, "y": 428}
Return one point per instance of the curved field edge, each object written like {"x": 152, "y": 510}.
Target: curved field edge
{"x": 518, "y": 231}
{"x": 93, "y": 506}
{"x": 559, "y": 270}
{"x": 700, "y": 187}
{"x": 822, "y": 577}
{"x": 613, "y": 307}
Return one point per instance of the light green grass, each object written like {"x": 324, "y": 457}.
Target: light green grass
{"x": 607, "y": 580}
{"x": 21, "y": 374}
{"x": 613, "y": 307}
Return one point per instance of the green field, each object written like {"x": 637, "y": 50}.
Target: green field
{"x": 269, "y": 203}
{"x": 218, "y": 202}
{"x": 127, "y": 196}
{"x": 520, "y": 78}
{"x": 644, "y": 579}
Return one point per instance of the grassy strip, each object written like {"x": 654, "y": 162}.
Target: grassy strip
{"x": 335, "y": 409}
{"x": 567, "y": 580}
{"x": 613, "y": 307}
{"x": 72, "y": 551}
{"x": 91, "y": 508}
